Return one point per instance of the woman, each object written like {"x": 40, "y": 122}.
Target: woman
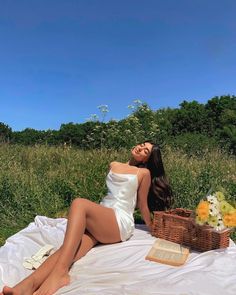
{"x": 141, "y": 182}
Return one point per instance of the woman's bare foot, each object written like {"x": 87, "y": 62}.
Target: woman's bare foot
{"x": 24, "y": 288}
{"x": 55, "y": 281}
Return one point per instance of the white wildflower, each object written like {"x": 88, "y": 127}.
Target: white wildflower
{"x": 212, "y": 199}
{"x": 220, "y": 225}
{"x": 214, "y": 209}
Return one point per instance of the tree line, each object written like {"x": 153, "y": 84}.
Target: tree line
{"x": 192, "y": 126}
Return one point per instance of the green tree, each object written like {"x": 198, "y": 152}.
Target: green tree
{"x": 216, "y": 108}
{"x": 222, "y": 115}
{"x": 164, "y": 118}
{"x": 5, "y": 133}
{"x": 74, "y": 134}
{"x": 191, "y": 117}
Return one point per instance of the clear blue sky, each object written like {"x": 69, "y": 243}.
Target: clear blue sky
{"x": 61, "y": 59}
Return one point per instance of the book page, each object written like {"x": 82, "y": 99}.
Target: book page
{"x": 166, "y": 257}
{"x": 167, "y": 252}
{"x": 169, "y": 246}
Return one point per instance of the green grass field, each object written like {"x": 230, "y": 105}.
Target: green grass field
{"x": 43, "y": 180}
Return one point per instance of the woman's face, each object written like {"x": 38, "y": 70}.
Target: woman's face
{"x": 141, "y": 152}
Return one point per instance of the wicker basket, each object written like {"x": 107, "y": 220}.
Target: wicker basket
{"x": 178, "y": 225}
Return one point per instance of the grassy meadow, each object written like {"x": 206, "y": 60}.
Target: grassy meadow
{"x": 43, "y": 180}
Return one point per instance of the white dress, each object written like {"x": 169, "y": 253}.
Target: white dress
{"x": 122, "y": 197}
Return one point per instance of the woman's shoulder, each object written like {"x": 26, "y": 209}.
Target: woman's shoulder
{"x": 126, "y": 168}
{"x": 113, "y": 163}
{"x": 144, "y": 171}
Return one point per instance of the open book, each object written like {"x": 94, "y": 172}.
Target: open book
{"x": 167, "y": 252}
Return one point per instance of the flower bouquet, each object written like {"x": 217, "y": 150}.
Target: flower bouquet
{"x": 216, "y": 212}
{"x": 206, "y": 228}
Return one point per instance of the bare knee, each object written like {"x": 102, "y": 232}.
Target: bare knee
{"x": 79, "y": 203}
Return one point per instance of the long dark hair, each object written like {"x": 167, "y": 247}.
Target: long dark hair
{"x": 160, "y": 196}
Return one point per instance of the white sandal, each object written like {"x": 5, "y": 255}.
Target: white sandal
{"x": 38, "y": 258}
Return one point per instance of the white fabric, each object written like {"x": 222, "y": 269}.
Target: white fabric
{"x": 121, "y": 197}
{"x": 121, "y": 269}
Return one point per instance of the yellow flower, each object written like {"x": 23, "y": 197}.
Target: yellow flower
{"x": 220, "y": 196}
{"x": 230, "y": 219}
{"x": 225, "y": 207}
{"x": 202, "y": 210}
{"x": 199, "y": 221}
{"x": 232, "y": 210}
{"x": 213, "y": 221}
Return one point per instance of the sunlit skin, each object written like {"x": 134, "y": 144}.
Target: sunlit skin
{"x": 85, "y": 228}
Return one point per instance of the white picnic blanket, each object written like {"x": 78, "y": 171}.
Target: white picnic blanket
{"x": 121, "y": 268}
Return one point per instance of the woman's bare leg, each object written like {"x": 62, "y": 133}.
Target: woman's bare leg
{"x": 84, "y": 214}
{"x": 33, "y": 281}
{"x": 98, "y": 220}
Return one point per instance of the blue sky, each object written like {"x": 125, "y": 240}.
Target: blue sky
{"x": 60, "y": 60}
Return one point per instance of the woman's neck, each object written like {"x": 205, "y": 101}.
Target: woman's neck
{"x": 132, "y": 162}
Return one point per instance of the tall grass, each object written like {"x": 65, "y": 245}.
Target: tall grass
{"x": 44, "y": 180}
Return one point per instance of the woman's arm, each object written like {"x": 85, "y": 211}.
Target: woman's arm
{"x": 142, "y": 203}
